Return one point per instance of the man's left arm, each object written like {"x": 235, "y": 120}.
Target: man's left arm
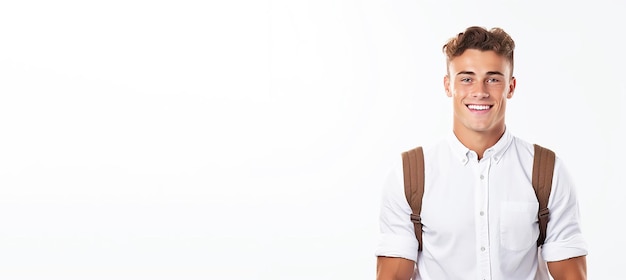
{"x": 565, "y": 248}
{"x": 569, "y": 269}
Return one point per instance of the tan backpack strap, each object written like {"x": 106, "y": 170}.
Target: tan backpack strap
{"x": 413, "y": 169}
{"x": 543, "y": 169}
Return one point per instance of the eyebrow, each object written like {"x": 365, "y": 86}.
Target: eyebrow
{"x": 472, "y": 73}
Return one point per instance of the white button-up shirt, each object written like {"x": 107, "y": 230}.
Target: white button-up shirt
{"x": 480, "y": 216}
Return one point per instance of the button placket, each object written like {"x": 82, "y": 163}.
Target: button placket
{"x": 483, "y": 220}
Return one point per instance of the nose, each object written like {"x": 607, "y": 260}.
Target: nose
{"x": 480, "y": 91}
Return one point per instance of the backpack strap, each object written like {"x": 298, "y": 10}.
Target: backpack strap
{"x": 413, "y": 169}
{"x": 543, "y": 169}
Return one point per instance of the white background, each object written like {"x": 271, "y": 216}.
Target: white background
{"x": 249, "y": 139}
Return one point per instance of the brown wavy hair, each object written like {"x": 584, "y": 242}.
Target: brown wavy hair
{"x": 479, "y": 38}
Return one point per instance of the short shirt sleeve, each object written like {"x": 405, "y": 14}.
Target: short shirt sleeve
{"x": 564, "y": 237}
{"x": 397, "y": 233}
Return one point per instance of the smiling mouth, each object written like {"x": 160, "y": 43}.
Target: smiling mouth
{"x": 478, "y": 107}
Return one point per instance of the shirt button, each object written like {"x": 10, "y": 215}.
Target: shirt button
{"x": 482, "y": 213}
{"x": 482, "y": 249}
{"x": 482, "y": 177}
{"x": 464, "y": 160}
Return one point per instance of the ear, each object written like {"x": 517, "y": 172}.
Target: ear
{"x": 446, "y": 85}
{"x": 511, "y": 88}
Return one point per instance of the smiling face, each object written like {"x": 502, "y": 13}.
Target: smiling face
{"x": 479, "y": 82}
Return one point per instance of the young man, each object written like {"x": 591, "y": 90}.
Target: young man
{"x": 479, "y": 210}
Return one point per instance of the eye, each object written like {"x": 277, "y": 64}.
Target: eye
{"x": 493, "y": 80}
{"x": 466, "y": 80}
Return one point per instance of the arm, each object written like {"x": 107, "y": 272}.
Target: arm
{"x": 397, "y": 250}
{"x": 565, "y": 249}
{"x": 569, "y": 269}
{"x": 390, "y": 268}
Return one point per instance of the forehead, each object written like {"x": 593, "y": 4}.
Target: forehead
{"x": 478, "y": 61}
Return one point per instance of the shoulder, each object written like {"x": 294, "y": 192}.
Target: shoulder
{"x": 524, "y": 148}
{"x": 527, "y": 152}
{"x": 436, "y": 149}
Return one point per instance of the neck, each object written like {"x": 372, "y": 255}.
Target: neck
{"x": 478, "y": 141}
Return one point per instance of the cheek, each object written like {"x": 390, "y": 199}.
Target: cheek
{"x": 460, "y": 92}
{"x": 458, "y": 100}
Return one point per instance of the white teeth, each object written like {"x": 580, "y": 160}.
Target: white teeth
{"x": 478, "y": 107}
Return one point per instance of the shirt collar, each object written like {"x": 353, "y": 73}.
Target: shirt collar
{"x": 496, "y": 151}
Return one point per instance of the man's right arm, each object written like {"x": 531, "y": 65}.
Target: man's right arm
{"x": 397, "y": 251}
{"x": 392, "y": 268}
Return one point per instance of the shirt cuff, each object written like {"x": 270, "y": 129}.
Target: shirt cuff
{"x": 562, "y": 250}
{"x": 397, "y": 246}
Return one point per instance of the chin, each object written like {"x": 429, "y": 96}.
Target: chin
{"x": 480, "y": 129}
